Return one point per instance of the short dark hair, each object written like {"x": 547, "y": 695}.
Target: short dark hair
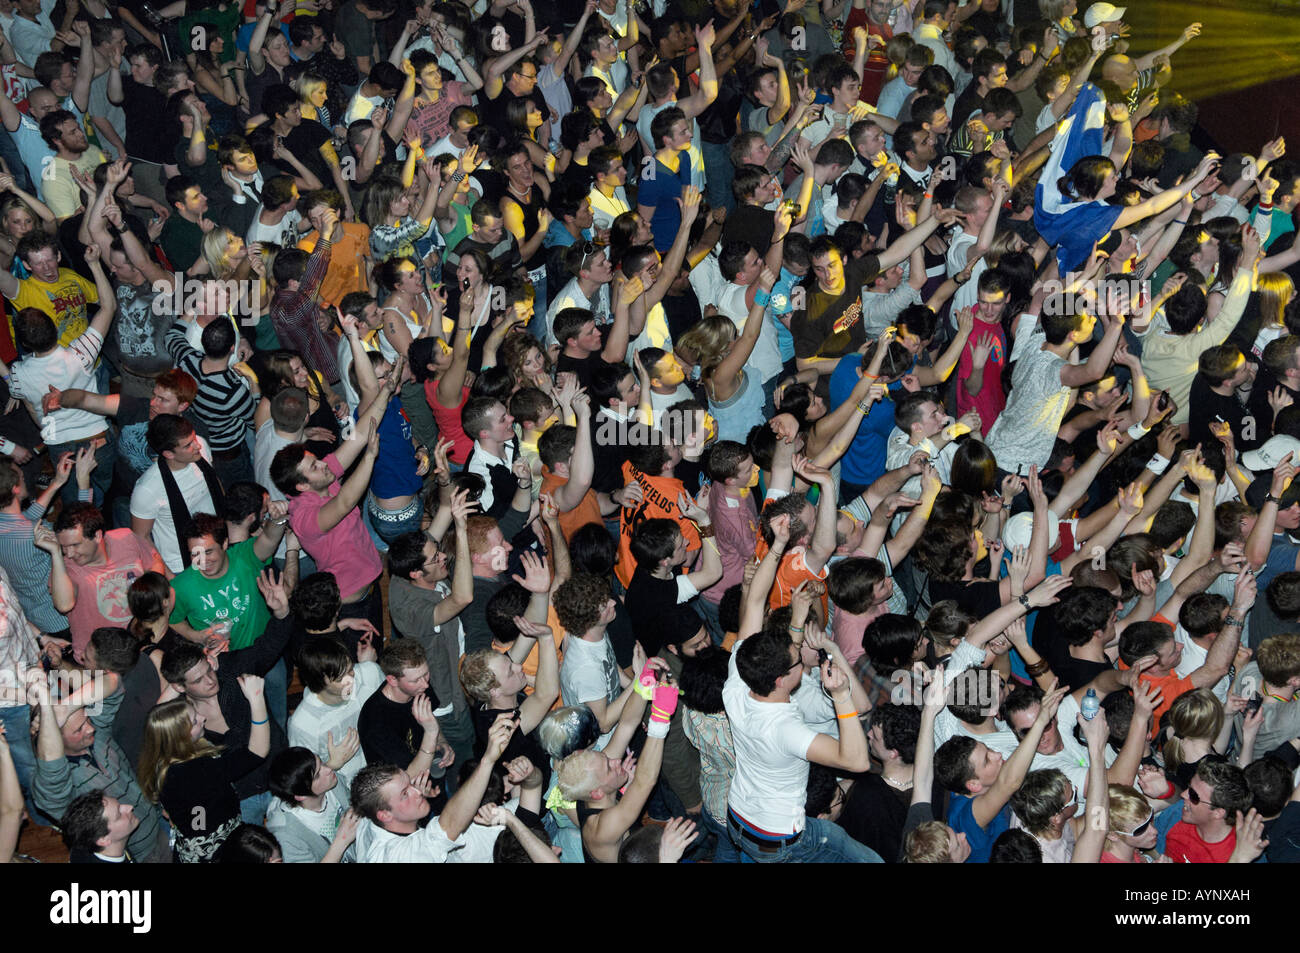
{"x": 1081, "y": 611}
{"x": 316, "y": 601}
{"x": 507, "y": 602}
{"x": 852, "y": 583}
{"x": 291, "y": 773}
{"x": 166, "y": 432}
{"x": 84, "y": 516}
{"x": 900, "y": 726}
{"x": 952, "y": 765}
{"x": 323, "y": 659}
{"x": 763, "y": 659}
{"x": 654, "y": 540}
{"x": 83, "y": 822}
{"x": 1142, "y": 639}
{"x": 406, "y": 554}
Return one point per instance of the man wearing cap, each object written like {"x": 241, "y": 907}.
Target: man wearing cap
{"x": 1111, "y": 19}
{"x": 1269, "y": 547}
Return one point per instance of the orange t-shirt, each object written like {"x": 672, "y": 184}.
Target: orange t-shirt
{"x": 587, "y": 510}
{"x": 791, "y": 571}
{"x": 347, "y": 267}
{"x": 1171, "y": 685}
{"x": 659, "y": 501}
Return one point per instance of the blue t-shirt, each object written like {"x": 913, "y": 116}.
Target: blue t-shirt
{"x": 395, "y": 465}
{"x": 781, "y": 306}
{"x": 659, "y": 191}
{"x": 962, "y": 820}
{"x": 1281, "y": 558}
{"x": 864, "y": 463}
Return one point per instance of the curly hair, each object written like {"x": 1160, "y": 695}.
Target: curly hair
{"x": 579, "y": 602}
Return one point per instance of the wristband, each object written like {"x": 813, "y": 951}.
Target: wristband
{"x": 1158, "y": 464}
{"x": 7, "y": 446}
{"x": 761, "y": 297}
{"x": 262, "y": 722}
{"x": 706, "y": 532}
{"x": 1038, "y": 668}
{"x": 1180, "y": 221}
{"x": 661, "y": 711}
{"x": 458, "y": 177}
{"x": 1234, "y": 622}
{"x": 1170, "y": 793}
{"x": 847, "y": 715}
{"x": 1138, "y": 431}
{"x": 1024, "y": 601}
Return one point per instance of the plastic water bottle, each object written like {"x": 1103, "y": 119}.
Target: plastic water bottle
{"x": 1090, "y": 705}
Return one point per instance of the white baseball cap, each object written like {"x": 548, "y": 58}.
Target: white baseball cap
{"x": 1102, "y": 13}
{"x": 1020, "y": 529}
{"x": 1271, "y": 453}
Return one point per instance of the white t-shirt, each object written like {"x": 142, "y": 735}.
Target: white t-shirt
{"x": 149, "y": 502}
{"x": 361, "y": 107}
{"x": 815, "y": 705}
{"x": 571, "y": 296}
{"x": 589, "y": 672}
{"x": 64, "y": 367}
{"x": 429, "y": 845}
{"x": 1071, "y": 760}
{"x": 771, "y": 743}
{"x": 605, "y": 209}
{"x": 283, "y": 233}
{"x": 1193, "y": 658}
{"x": 313, "y": 721}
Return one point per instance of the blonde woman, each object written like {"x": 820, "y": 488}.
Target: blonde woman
{"x": 313, "y": 91}
{"x": 192, "y": 778}
{"x": 1132, "y": 828}
{"x": 1197, "y": 727}
{"x": 20, "y": 213}
{"x": 1276, "y": 291}
{"x": 735, "y": 395}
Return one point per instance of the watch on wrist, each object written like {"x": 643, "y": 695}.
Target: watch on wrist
{"x": 1270, "y": 498}
{"x": 1023, "y": 599}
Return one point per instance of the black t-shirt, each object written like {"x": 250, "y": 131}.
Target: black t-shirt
{"x": 609, "y": 456}
{"x": 980, "y": 597}
{"x": 682, "y": 311}
{"x": 305, "y": 142}
{"x": 149, "y": 135}
{"x": 656, "y": 614}
{"x": 389, "y": 732}
{"x": 1206, "y": 407}
{"x": 750, "y": 223}
{"x": 718, "y": 123}
{"x": 691, "y": 473}
{"x": 832, "y": 326}
{"x": 584, "y": 367}
{"x": 520, "y": 745}
{"x": 492, "y": 112}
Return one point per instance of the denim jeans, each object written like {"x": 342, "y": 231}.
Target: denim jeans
{"x": 822, "y": 842}
{"x": 277, "y": 694}
{"x": 17, "y": 724}
{"x": 101, "y": 478}
{"x": 708, "y": 611}
{"x": 718, "y": 173}
{"x": 387, "y": 528}
{"x": 253, "y": 809}
{"x": 724, "y": 851}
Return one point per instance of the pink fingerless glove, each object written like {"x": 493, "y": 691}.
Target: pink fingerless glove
{"x": 661, "y": 710}
{"x": 645, "y": 683}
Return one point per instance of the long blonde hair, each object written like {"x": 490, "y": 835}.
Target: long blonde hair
{"x": 1276, "y": 289}
{"x": 168, "y": 741}
{"x": 708, "y": 341}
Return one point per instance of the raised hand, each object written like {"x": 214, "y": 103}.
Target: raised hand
{"x": 677, "y": 836}
{"x": 251, "y": 686}
{"x": 537, "y": 577}
{"x": 340, "y": 752}
{"x": 271, "y": 586}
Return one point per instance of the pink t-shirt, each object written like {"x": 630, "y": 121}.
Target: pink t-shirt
{"x": 347, "y": 550}
{"x": 101, "y": 590}
{"x": 991, "y": 399}
{"x": 847, "y": 630}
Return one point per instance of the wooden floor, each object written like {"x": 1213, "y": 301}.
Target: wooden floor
{"x": 45, "y": 845}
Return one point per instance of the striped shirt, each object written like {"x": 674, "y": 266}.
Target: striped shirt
{"x": 224, "y": 402}
{"x": 294, "y": 315}
{"x": 29, "y": 568}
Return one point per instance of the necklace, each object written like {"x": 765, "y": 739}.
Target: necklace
{"x": 900, "y": 785}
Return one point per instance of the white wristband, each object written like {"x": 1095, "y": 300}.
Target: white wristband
{"x": 7, "y": 446}
{"x": 1137, "y": 431}
{"x": 1158, "y": 464}
{"x": 657, "y": 729}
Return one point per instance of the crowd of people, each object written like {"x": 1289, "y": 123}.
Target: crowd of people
{"x": 820, "y": 430}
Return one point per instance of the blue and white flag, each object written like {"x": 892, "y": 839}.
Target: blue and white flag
{"x": 1074, "y": 226}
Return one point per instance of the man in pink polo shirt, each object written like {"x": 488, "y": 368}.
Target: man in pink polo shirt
{"x": 324, "y": 514}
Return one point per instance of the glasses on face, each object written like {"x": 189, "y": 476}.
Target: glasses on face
{"x": 1193, "y": 796}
